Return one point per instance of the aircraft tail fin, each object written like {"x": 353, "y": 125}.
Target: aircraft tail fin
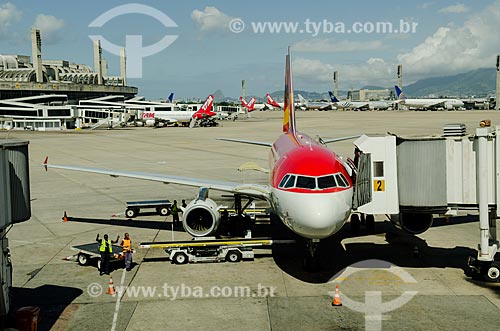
{"x": 399, "y": 93}
{"x": 243, "y": 102}
{"x": 251, "y": 105}
{"x": 333, "y": 97}
{"x": 289, "y": 113}
{"x": 271, "y": 101}
{"x": 171, "y": 97}
{"x": 206, "y": 109}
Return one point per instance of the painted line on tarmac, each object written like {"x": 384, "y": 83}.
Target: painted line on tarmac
{"x": 118, "y": 299}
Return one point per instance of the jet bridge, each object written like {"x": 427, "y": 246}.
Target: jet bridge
{"x": 15, "y": 206}
{"x": 412, "y": 178}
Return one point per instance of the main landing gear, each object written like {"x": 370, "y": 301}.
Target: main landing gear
{"x": 367, "y": 220}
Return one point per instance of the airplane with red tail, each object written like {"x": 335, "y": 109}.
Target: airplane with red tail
{"x": 272, "y": 102}
{"x": 191, "y": 118}
{"x": 310, "y": 188}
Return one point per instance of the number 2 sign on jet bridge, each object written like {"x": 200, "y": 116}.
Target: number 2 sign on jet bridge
{"x": 379, "y": 185}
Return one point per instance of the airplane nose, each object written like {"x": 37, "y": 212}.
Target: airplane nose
{"x": 316, "y": 216}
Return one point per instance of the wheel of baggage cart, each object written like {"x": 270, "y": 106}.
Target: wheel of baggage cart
{"x": 493, "y": 272}
{"x": 233, "y": 256}
{"x": 83, "y": 259}
{"x": 180, "y": 258}
{"x": 131, "y": 212}
{"x": 163, "y": 211}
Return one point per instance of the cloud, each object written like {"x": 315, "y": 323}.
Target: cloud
{"x": 331, "y": 46}
{"x": 8, "y": 16}
{"x": 425, "y": 5}
{"x": 375, "y": 71}
{"x": 312, "y": 70}
{"x": 453, "y": 49}
{"x": 459, "y": 8}
{"x": 210, "y": 19}
{"x": 50, "y": 28}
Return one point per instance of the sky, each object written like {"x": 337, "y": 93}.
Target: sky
{"x": 193, "y": 48}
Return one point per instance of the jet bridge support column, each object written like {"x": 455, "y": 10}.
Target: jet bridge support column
{"x": 485, "y": 264}
{"x": 487, "y": 245}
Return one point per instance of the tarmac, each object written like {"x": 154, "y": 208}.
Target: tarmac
{"x": 383, "y": 283}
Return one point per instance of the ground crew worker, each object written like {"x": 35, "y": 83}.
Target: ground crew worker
{"x": 127, "y": 250}
{"x": 183, "y": 204}
{"x": 175, "y": 212}
{"x": 106, "y": 249}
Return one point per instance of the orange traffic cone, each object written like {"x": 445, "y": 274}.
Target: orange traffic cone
{"x": 111, "y": 287}
{"x": 336, "y": 297}
{"x": 65, "y": 217}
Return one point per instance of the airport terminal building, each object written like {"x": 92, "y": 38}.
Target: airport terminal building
{"x": 39, "y": 94}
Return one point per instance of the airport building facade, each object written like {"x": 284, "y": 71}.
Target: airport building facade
{"x": 369, "y": 95}
{"x": 39, "y": 94}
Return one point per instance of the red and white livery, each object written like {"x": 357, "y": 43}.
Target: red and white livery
{"x": 310, "y": 187}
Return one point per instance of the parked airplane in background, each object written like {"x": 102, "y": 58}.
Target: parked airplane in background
{"x": 310, "y": 188}
{"x": 359, "y": 104}
{"x": 251, "y": 105}
{"x": 427, "y": 103}
{"x": 320, "y": 105}
{"x": 272, "y": 102}
{"x": 171, "y": 97}
{"x": 184, "y": 117}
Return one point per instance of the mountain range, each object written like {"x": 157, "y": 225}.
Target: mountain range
{"x": 478, "y": 83}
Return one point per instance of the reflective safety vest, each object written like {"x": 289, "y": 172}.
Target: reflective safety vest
{"x": 174, "y": 209}
{"x": 103, "y": 246}
{"x": 126, "y": 245}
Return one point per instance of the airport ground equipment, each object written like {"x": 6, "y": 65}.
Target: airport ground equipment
{"x": 162, "y": 207}
{"x": 15, "y": 206}
{"x": 209, "y": 249}
{"x": 88, "y": 252}
{"x": 410, "y": 179}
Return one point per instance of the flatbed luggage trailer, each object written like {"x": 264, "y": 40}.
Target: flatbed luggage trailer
{"x": 210, "y": 249}
{"x": 89, "y": 252}
{"x": 162, "y": 207}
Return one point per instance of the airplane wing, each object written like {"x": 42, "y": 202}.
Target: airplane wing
{"x": 253, "y": 190}
{"x": 259, "y": 143}
{"x": 326, "y": 106}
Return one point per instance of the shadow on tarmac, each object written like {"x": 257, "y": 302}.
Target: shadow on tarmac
{"x": 399, "y": 248}
{"x": 136, "y": 223}
{"x": 51, "y": 299}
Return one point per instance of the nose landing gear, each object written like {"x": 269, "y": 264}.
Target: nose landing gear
{"x": 311, "y": 259}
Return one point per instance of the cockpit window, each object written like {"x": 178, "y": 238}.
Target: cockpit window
{"x": 341, "y": 180}
{"x": 326, "y": 182}
{"x": 283, "y": 181}
{"x": 290, "y": 182}
{"x": 313, "y": 183}
{"x": 306, "y": 182}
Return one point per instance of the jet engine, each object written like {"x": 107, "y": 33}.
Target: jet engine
{"x": 201, "y": 217}
{"x": 414, "y": 223}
